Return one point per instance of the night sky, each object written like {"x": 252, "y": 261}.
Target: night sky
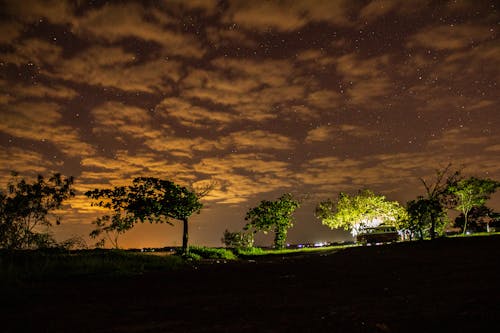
{"x": 262, "y": 97}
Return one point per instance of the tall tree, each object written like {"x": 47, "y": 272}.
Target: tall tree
{"x": 360, "y": 211}
{"x": 273, "y": 215}
{"x": 27, "y": 208}
{"x": 472, "y": 192}
{"x": 437, "y": 192}
{"x": 153, "y": 200}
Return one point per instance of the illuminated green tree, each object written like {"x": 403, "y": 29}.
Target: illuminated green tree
{"x": 472, "y": 192}
{"x": 275, "y": 216}
{"x": 26, "y": 210}
{"x": 360, "y": 211}
{"x": 153, "y": 200}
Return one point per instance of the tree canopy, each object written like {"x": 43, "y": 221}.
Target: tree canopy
{"x": 26, "y": 210}
{"x": 437, "y": 193}
{"x": 354, "y": 213}
{"x": 472, "y": 192}
{"x": 153, "y": 200}
{"x": 275, "y": 216}
{"x": 425, "y": 216}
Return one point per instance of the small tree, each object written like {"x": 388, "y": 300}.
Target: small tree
{"x": 238, "y": 239}
{"x": 273, "y": 215}
{"x": 421, "y": 214}
{"x": 112, "y": 226}
{"x": 360, "y": 211}
{"x": 472, "y": 192}
{"x": 478, "y": 216}
{"x": 151, "y": 199}
{"x": 26, "y": 209}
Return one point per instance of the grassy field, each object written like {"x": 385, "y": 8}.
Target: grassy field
{"x": 445, "y": 285}
{"x": 27, "y": 265}
{"x": 22, "y": 266}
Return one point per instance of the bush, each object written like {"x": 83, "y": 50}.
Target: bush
{"x": 212, "y": 253}
{"x": 251, "y": 251}
{"x": 238, "y": 239}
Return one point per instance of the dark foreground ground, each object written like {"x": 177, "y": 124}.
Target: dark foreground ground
{"x": 448, "y": 285}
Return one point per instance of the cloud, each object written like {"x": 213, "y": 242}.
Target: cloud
{"x": 230, "y": 38}
{"x": 366, "y": 80}
{"x": 33, "y": 51}
{"x": 335, "y": 132}
{"x": 252, "y": 89}
{"x": 324, "y": 99}
{"x": 450, "y": 37}
{"x": 380, "y": 8}
{"x": 286, "y": 15}
{"x": 125, "y": 165}
{"x": 493, "y": 148}
{"x": 458, "y": 138}
{"x": 39, "y": 122}
{"x": 319, "y": 134}
{"x": 314, "y": 58}
{"x": 241, "y": 176}
{"x": 20, "y": 91}
{"x": 10, "y": 31}
{"x": 114, "y": 22}
{"x": 125, "y": 121}
{"x": 258, "y": 139}
{"x": 235, "y": 141}
{"x": 190, "y": 115}
{"x": 32, "y": 11}
{"x": 207, "y": 7}
{"x": 24, "y": 161}
{"x": 115, "y": 68}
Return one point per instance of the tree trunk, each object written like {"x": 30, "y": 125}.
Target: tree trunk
{"x": 185, "y": 236}
{"x": 465, "y": 223}
{"x": 433, "y": 227}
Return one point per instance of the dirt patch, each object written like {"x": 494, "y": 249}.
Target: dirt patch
{"x": 444, "y": 285}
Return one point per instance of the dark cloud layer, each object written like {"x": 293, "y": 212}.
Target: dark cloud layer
{"x": 263, "y": 97}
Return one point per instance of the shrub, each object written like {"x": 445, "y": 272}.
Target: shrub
{"x": 238, "y": 239}
{"x": 212, "y": 253}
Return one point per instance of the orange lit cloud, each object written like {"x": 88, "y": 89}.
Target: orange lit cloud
{"x": 39, "y": 121}
{"x": 287, "y": 15}
{"x": 115, "y": 68}
{"x": 114, "y": 22}
{"x": 450, "y": 37}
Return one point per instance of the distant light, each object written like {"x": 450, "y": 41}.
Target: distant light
{"x": 319, "y": 244}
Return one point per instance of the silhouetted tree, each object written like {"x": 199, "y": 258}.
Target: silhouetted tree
{"x": 477, "y": 217}
{"x": 153, "y": 200}
{"x": 357, "y": 212}
{"x": 437, "y": 193}
{"x": 425, "y": 214}
{"x": 273, "y": 215}
{"x": 472, "y": 192}
{"x": 26, "y": 208}
{"x": 112, "y": 226}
